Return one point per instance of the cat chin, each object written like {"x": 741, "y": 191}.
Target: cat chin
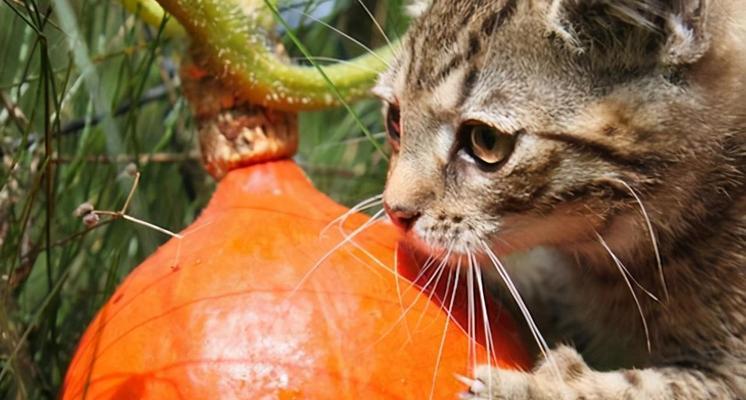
{"x": 455, "y": 241}
{"x": 424, "y": 253}
{"x": 567, "y": 226}
{"x": 460, "y": 249}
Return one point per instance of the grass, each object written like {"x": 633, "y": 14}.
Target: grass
{"x": 86, "y": 89}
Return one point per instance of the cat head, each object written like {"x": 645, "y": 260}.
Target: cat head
{"x": 520, "y": 123}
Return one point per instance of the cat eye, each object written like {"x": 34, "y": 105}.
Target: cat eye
{"x": 393, "y": 124}
{"x": 485, "y": 144}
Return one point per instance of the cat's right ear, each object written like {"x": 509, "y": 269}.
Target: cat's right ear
{"x": 415, "y": 8}
{"x": 632, "y": 30}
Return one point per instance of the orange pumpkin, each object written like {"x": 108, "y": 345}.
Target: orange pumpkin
{"x": 232, "y": 310}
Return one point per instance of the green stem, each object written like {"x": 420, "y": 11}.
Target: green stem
{"x": 334, "y": 89}
{"x": 234, "y": 42}
{"x": 152, "y": 13}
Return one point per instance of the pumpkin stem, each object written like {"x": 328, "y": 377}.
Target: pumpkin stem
{"x": 234, "y": 132}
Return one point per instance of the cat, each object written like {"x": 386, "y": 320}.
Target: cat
{"x": 608, "y": 140}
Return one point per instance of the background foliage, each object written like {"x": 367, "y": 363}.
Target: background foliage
{"x": 74, "y": 115}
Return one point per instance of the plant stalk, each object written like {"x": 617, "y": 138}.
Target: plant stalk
{"x": 232, "y": 38}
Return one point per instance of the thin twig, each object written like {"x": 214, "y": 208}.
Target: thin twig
{"x": 130, "y": 158}
{"x": 15, "y": 112}
{"x": 122, "y": 213}
{"x": 156, "y": 93}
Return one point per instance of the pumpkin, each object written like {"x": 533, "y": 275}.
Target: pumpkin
{"x": 258, "y": 301}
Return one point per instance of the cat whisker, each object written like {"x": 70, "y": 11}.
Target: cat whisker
{"x": 538, "y": 337}
{"x": 334, "y": 249}
{"x": 352, "y": 140}
{"x": 432, "y": 292}
{"x": 348, "y": 37}
{"x": 368, "y": 253}
{"x": 625, "y": 274}
{"x": 485, "y": 321}
{"x": 375, "y": 22}
{"x": 423, "y": 288}
{"x": 361, "y": 206}
{"x": 337, "y": 60}
{"x": 428, "y": 263}
{"x": 383, "y": 266}
{"x": 471, "y": 317}
{"x": 632, "y": 277}
{"x": 651, "y": 232}
{"x": 505, "y": 242}
{"x": 399, "y": 295}
{"x": 449, "y": 316}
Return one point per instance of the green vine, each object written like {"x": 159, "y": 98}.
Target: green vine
{"x": 152, "y": 13}
{"x": 232, "y": 38}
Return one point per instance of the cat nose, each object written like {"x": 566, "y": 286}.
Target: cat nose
{"x": 402, "y": 217}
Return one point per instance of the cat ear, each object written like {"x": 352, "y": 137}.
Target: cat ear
{"x": 686, "y": 39}
{"x": 415, "y": 8}
{"x": 674, "y": 29}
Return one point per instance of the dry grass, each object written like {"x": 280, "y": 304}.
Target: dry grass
{"x": 85, "y": 90}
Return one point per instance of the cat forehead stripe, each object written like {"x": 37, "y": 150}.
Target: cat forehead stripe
{"x": 456, "y": 44}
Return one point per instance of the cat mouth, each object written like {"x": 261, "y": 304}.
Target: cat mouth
{"x": 444, "y": 242}
{"x": 455, "y": 255}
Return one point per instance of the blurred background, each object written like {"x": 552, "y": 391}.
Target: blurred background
{"x": 74, "y": 118}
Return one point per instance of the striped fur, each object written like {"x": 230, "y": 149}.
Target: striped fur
{"x": 612, "y": 104}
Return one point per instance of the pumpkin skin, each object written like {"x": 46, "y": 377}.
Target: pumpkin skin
{"x": 216, "y": 314}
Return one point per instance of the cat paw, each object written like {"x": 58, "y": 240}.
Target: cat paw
{"x": 492, "y": 383}
{"x": 550, "y": 380}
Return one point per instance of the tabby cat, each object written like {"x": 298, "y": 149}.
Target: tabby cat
{"x": 608, "y": 140}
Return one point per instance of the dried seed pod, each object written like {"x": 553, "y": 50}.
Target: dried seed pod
{"x": 83, "y": 209}
{"x": 91, "y": 219}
